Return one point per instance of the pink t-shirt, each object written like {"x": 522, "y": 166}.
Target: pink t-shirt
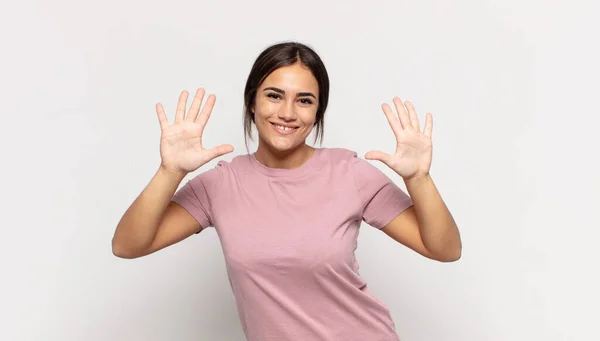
{"x": 289, "y": 236}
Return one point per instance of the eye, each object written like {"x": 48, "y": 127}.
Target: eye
{"x": 306, "y": 101}
{"x": 273, "y": 95}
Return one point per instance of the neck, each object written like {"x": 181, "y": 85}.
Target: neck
{"x": 288, "y": 159}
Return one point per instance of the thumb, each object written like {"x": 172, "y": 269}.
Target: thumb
{"x": 377, "y": 155}
{"x": 219, "y": 151}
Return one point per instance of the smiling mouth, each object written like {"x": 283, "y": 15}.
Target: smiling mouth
{"x": 283, "y": 129}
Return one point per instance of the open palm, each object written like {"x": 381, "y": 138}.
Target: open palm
{"x": 413, "y": 148}
{"x": 181, "y": 148}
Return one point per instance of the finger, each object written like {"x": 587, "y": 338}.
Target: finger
{"x": 402, "y": 115}
{"x": 428, "y": 124}
{"x": 412, "y": 115}
{"x": 219, "y": 151}
{"x": 195, "y": 107}
{"x": 180, "y": 113}
{"x": 378, "y": 155}
{"x": 162, "y": 117}
{"x": 392, "y": 119}
{"x": 206, "y": 111}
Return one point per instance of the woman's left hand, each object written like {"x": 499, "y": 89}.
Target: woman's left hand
{"x": 412, "y": 157}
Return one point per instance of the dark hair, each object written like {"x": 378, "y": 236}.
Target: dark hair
{"x": 271, "y": 59}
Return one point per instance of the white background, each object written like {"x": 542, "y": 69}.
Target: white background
{"x": 512, "y": 86}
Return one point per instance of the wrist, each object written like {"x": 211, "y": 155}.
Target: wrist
{"x": 417, "y": 179}
{"x": 175, "y": 174}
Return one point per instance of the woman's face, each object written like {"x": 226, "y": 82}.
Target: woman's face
{"x": 286, "y": 107}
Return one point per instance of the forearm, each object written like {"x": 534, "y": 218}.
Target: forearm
{"x": 437, "y": 227}
{"x": 138, "y": 226}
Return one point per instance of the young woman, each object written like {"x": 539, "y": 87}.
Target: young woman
{"x": 288, "y": 215}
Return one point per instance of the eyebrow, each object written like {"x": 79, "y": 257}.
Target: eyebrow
{"x": 300, "y": 94}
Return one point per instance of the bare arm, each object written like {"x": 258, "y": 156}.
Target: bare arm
{"x": 153, "y": 222}
{"x": 428, "y": 227}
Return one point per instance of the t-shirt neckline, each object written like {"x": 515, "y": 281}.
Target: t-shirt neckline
{"x": 282, "y": 172}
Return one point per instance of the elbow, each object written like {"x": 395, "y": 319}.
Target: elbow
{"x": 453, "y": 251}
{"x": 447, "y": 255}
{"x": 121, "y": 251}
{"x": 451, "y": 256}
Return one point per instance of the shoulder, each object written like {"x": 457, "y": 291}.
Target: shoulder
{"x": 367, "y": 178}
{"x": 224, "y": 167}
{"x": 337, "y": 155}
{"x": 225, "y": 171}
{"x": 347, "y": 163}
{"x": 347, "y": 158}
{"x": 213, "y": 173}
{"x": 363, "y": 171}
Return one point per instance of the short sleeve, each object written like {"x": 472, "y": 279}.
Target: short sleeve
{"x": 195, "y": 196}
{"x": 382, "y": 200}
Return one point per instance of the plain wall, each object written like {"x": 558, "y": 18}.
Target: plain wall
{"x": 512, "y": 86}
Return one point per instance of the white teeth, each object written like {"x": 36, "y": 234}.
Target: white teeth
{"x": 283, "y": 128}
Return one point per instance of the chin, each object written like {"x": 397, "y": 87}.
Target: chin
{"x": 282, "y": 146}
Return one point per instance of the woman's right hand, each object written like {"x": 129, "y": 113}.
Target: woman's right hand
{"x": 181, "y": 147}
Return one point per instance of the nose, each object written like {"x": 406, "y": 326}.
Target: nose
{"x": 287, "y": 112}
